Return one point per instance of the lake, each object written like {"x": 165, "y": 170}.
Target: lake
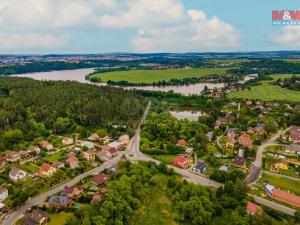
{"x": 184, "y": 90}
{"x": 190, "y": 115}
{"x": 73, "y": 75}
{"x": 79, "y": 76}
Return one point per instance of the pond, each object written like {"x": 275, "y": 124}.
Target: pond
{"x": 190, "y": 115}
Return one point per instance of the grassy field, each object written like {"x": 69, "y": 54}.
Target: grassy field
{"x": 56, "y": 156}
{"x": 59, "y": 218}
{"x": 156, "y": 208}
{"x": 283, "y": 183}
{"x": 150, "y": 76}
{"x": 268, "y": 92}
{"x": 164, "y": 158}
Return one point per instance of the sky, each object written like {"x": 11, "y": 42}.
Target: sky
{"x": 144, "y": 26}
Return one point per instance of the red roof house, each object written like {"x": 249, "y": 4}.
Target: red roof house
{"x": 252, "y": 208}
{"x": 286, "y": 197}
{"x": 94, "y": 137}
{"x": 67, "y": 141}
{"x": 12, "y": 156}
{"x": 100, "y": 179}
{"x": 2, "y": 162}
{"x": 181, "y": 142}
{"x": 295, "y": 134}
{"x": 72, "y": 161}
{"x": 181, "y": 162}
{"x": 245, "y": 140}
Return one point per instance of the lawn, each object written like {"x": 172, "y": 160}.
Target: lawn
{"x": 164, "y": 158}
{"x": 59, "y": 218}
{"x": 156, "y": 208}
{"x": 267, "y": 92}
{"x": 57, "y": 156}
{"x": 275, "y": 148}
{"x": 283, "y": 183}
{"x": 150, "y": 76}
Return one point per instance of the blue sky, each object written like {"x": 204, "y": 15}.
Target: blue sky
{"x": 98, "y": 26}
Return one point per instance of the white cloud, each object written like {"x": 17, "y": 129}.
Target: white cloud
{"x": 198, "y": 34}
{"x": 137, "y": 13}
{"x": 288, "y": 37}
{"x": 161, "y": 25}
{"x": 27, "y": 41}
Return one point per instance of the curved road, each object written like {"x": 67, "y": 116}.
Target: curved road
{"x": 256, "y": 166}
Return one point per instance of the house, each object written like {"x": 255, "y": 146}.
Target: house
{"x": 47, "y": 170}
{"x": 210, "y": 135}
{"x": 245, "y": 140}
{"x": 181, "y": 142}
{"x": 280, "y": 164}
{"x": 104, "y": 155}
{"x": 117, "y": 145}
{"x": 295, "y": 134}
{"x": 67, "y": 141}
{"x": 17, "y": 174}
{"x": 71, "y": 192}
{"x": 253, "y": 208}
{"x": 259, "y": 128}
{"x": 224, "y": 167}
{"x": 12, "y": 156}
{"x": 58, "y": 165}
{"x": 224, "y": 121}
{"x": 105, "y": 139}
{"x": 100, "y": 179}
{"x": 87, "y": 144}
{"x": 96, "y": 198}
{"x": 239, "y": 161}
{"x": 72, "y": 161}
{"x": 124, "y": 139}
{"x": 2, "y": 162}
{"x": 111, "y": 150}
{"x": 36, "y": 217}
{"x": 46, "y": 145}
{"x": 104, "y": 190}
{"x": 94, "y": 137}
{"x": 200, "y": 167}
{"x": 250, "y": 130}
{"x": 89, "y": 155}
{"x": 35, "y": 149}
{"x": 24, "y": 154}
{"x": 181, "y": 162}
{"x": 230, "y": 143}
{"x": 3, "y": 194}
{"x": 59, "y": 201}
{"x": 287, "y": 197}
{"x": 231, "y": 133}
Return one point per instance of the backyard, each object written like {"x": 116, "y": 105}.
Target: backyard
{"x": 282, "y": 183}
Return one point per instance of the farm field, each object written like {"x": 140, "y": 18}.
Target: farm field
{"x": 282, "y": 183}
{"x": 268, "y": 92}
{"x": 150, "y": 76}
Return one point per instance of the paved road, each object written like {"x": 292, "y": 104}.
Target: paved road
{"x": 256, "y": 166}
{"x": 273, "y": 205}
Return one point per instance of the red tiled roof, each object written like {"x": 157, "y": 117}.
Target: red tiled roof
{"x": 100, "y": 179}
{"x": 245, "y": 140}
{"x": 286, "y": 196}
{"x": 71, "y": 159}
{"x": 181, "y": 142}
{"x": 97, "y": 198}
{"x": 44, "y": 144}
{"x": 45, "y": 167}
{"x": 12, "y": 155}
{"x": 251, "y": 207}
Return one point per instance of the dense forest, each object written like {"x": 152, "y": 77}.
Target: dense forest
{"x": 136, "y": 187}
{"x": 292, "y": 83}
{"x": 30, "y": 109}
{"x": 267, "y": 66}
